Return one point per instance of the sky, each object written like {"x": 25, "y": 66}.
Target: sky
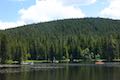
{"x": 15, "y": 13}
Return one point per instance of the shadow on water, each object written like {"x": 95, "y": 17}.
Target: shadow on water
{"x": 75, "y": 71}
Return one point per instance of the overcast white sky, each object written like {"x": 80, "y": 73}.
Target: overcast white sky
{"x": 19, "y": 12}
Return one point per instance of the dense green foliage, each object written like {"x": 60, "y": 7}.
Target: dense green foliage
{"x": 62, "y": 39}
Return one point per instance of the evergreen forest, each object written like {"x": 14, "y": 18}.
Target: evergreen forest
{"x": 73, "y": 39}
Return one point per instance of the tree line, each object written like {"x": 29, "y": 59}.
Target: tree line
{"x": 62, "y": 39}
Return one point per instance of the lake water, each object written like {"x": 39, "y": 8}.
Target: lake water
{"x": 62, "y": 72}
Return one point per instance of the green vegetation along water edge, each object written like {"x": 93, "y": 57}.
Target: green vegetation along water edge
{"x": 84, "y": 39}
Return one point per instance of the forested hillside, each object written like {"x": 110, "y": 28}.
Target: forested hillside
{"x": 62, "y": 39}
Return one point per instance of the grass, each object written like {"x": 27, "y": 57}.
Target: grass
{"x": 40, "y": 61}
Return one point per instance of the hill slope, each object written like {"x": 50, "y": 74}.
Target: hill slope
{"x": 63, "y": 39}
{"x": 89, "y": 25}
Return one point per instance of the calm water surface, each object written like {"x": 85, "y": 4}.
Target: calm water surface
{"x": 62, "y": 72}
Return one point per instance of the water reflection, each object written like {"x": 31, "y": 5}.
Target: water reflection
{"x": 68, "y": 72}
{"x": 2, "y": 77}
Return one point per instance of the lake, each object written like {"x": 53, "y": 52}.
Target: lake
{"x": 64, "y": 71}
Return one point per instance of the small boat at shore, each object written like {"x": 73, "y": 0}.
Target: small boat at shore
{"x": 99, "y": 62}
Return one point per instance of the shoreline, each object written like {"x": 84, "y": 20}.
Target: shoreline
{"x": 9, "y": 66}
